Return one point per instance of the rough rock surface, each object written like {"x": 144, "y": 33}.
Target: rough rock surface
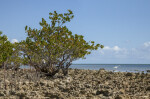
{"x": 79, "y": 84}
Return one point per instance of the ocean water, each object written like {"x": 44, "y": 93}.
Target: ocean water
{"x": 111, "y": 67}
{"x": 114, "y": 67}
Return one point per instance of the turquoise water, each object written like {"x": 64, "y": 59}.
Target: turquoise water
{"x": 114, "y": 67}
{"x": 111, "y": 67}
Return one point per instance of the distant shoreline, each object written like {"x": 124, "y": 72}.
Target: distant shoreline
{"x": 110, "y": 64}
{"x": 110, "y": 67}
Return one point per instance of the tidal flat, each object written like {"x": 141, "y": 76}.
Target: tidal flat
{"x": 78, "y": 84}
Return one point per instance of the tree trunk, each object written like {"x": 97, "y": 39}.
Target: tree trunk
{"x": 65, "y": 71}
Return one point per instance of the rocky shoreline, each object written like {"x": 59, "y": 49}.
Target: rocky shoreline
{"x": 79, "y": 84}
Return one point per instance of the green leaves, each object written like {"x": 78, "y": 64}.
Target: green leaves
{"x": 70, "y": 11}
{"x": 55, "y": 44}
{"x": 0, "y": 32}
{"x": 26, "y": 28}
{"x": 6, "y": 48}
{"x": 50, "y": 48}
{"x": 9, "y": 53}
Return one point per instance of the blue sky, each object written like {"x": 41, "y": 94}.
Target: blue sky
{"x": 122, "y": 26}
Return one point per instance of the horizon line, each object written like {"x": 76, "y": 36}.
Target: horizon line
{"x": 108, "y": 64}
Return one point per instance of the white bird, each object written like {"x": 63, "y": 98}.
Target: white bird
{"x": 116, "y": 67}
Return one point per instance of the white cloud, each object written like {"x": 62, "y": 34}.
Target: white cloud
{"x": 14, "y": 40}
{"x": 147, "y": 44}
{"x": 114, "y": 52}
{"x": 106, "y": 48}
{"x": 117, "y": 54}
{"x": 115, "y": 48}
